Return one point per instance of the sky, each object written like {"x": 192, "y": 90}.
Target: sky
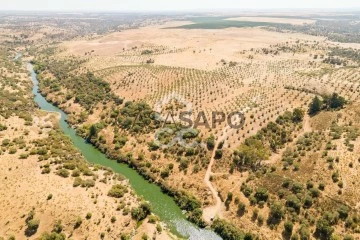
{"x": 171, "y": 5}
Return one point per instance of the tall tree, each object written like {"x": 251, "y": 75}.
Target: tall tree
{"x": 315, "y": 106}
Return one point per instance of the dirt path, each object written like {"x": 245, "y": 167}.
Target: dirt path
{"x": 216, "y": 210}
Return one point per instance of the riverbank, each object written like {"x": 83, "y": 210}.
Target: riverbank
{"x": 162, "y": 204}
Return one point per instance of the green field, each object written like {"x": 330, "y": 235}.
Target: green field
{"x": 221, "y": 23}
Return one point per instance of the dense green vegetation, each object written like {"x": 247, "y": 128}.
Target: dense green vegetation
{"x": 59, "y": 150}
{"x": 228, "y": 231}
{"x": 335, "y": 28}
{"x": 83, "y": 88}
{"x": 221, "y": 23}
{"x": 14, "y": 97}
{"x": 345, "y": 53}
{"x": 332, "y": 102}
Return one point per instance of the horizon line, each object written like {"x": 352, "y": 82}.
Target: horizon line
{"x": 347, "y": 9}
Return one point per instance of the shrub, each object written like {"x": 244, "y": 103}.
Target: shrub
{"x": 52, "y": 236}
{"x": 2, "y": 127}
{"x": 63, "y": 173}
{"x": 297, "y": 188}
{"x": 12, "y": 150}
{"x": 276, "y": 213}
{"x": 218, "y": 153}
{"x": 78, "y": 222}
{"x": 227, "y": 230}
{"x": 304, "y": 233}
{"x": 261, "y": 194}
{"x": 308, "y": 201}
{"x": 343, "y": 212}
{"x": 57, "y": 227}
{"x": 32, "y": 227}
{"x": 298, "y": 115}
{"x": 323, "y": 229}
{"x": 75, "y": 173}
{"x": 288, "y": 227}
{"x": 117, "y": 191}
{"x": 77, "y": 182}
{"x": 46, "y": 170}
{"x": 24, "y": 156}
{"x": 294, "y": 202}
{"x": 88, "y": 183}
{"x": 158, "y": 228}
{"x": 141, "y": 212}
{"x": 314, "y": 192}
{"x": 241, "y": 209}
{"x": 210, "y": 142}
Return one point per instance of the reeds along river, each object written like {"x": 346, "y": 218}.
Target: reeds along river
{"x": 162, "y": 205}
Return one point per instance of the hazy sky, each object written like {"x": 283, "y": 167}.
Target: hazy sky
{"x": 160, "y": 5}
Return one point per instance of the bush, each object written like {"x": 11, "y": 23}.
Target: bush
{"x": 288, "y": 227}
{"x": 308, "y": 201}
{"x": 276, "y": 213}
{"x": 241, "y": 209}
{"x": 343, "y": 212}
{"x": 32, "y": 227}
{"x": 297, "y": 188}
{"x": 323, "y": 229}
{"x": 294, "y": 202}
{"x": 24, "y": 156}
{"x": 88, "y": 183}
{"x": 227, "y": 230}
{"x": 12, "y": 150}
{"x": 298, "y": 115}
{"x": 261, "y": 194}
{"x": 218, "y": 153}
{"x": 77, "y": 182}
{"x": 63, "y": 173}
{"x": 78, "y": 222}
{"x": 141, "y": 212}
{"x": 210, "y": 142}
{"x": 52, "y": 236}
{"x": 117, "y": 191}
{"x": 304, "y": 233}
{"x": 57, "y": 227}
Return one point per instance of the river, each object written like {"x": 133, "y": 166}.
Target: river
{"x": 162, "y": 204}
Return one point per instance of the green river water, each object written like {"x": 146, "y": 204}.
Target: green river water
{"x": 162, "y": 205}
